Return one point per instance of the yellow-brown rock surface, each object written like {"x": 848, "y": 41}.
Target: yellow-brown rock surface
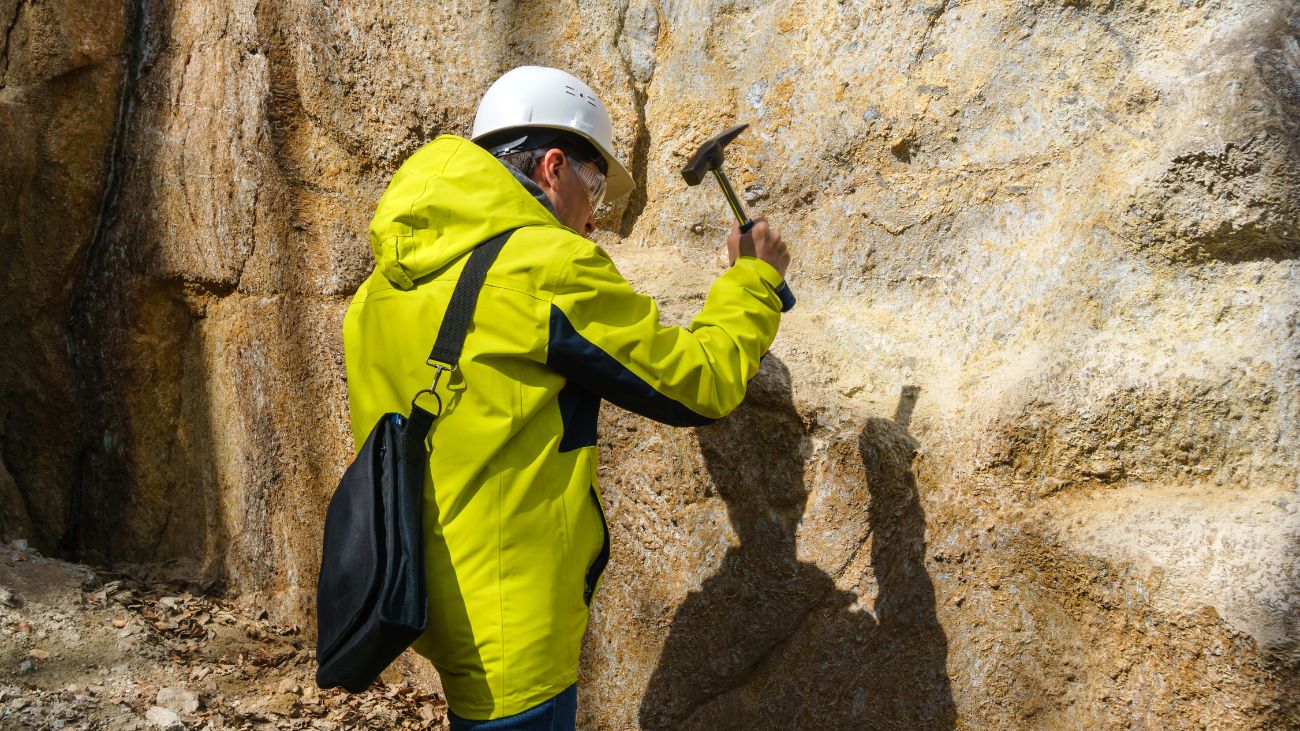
{"x": 61, "y": 69}
{"x": 1025, "y": 455}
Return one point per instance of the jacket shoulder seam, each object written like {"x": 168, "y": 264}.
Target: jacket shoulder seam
{"x": 531, "y": 294}
{"x": 556, "y": 274}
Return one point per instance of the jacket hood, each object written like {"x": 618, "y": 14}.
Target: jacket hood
{"x": 447, "y": 198}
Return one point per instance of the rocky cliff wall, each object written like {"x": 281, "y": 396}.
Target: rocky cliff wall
{"x": 61, "y": 70}
{"x": 1024, "y": 456}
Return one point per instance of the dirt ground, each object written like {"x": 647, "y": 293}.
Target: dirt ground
{"x": 91, "y": 649}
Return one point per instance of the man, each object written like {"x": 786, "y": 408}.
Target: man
{"x": 515, "y": 538}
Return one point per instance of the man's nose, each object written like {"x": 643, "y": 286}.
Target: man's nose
{"x": 590, "y": 225}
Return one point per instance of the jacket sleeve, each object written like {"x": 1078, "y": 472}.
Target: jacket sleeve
{"x": 607, "y": 338}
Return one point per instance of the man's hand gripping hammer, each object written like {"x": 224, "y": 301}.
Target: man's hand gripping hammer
{"x": 709, "y": 159}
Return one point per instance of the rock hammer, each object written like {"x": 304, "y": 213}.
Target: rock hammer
{"x": 709, "y": 159}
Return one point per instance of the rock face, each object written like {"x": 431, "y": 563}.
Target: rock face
{"x": 1024, "y": 456}
{"x": 62, "y": 64}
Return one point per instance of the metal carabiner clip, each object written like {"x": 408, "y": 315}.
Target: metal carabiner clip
{"x": 432, "y": 390}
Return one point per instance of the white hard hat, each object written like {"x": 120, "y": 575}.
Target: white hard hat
{"x": 536, "y": 96}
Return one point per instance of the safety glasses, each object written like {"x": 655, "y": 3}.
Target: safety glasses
{"x": 592, "y": 180}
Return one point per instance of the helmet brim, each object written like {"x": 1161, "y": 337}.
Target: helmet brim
{"x": 618, "y": 181}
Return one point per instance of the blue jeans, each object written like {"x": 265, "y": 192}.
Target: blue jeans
{"x": 558, "y": 714}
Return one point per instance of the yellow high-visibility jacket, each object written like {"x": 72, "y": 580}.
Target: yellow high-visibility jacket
{"x": 514, "y": 533}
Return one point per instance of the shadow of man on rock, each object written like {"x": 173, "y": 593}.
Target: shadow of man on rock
{"x": 770, "y": 641}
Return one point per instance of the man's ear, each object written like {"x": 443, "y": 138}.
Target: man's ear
{"x": 548, "y": 168}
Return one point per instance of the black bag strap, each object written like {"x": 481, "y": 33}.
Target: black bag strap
{"x": 464, "y": 298}
{"x": 445, "y": 355}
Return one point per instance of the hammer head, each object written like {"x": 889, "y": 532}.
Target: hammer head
{"x": 709, "y": 157}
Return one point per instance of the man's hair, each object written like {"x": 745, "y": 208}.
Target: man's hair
{"x": 516, "y": 148}
{"x": 525, "y": 162}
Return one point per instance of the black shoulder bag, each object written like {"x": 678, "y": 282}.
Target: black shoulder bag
{"x": 371, "y": 600}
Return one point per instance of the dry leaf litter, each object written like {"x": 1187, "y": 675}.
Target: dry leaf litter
{"x": 86, "y": 649}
